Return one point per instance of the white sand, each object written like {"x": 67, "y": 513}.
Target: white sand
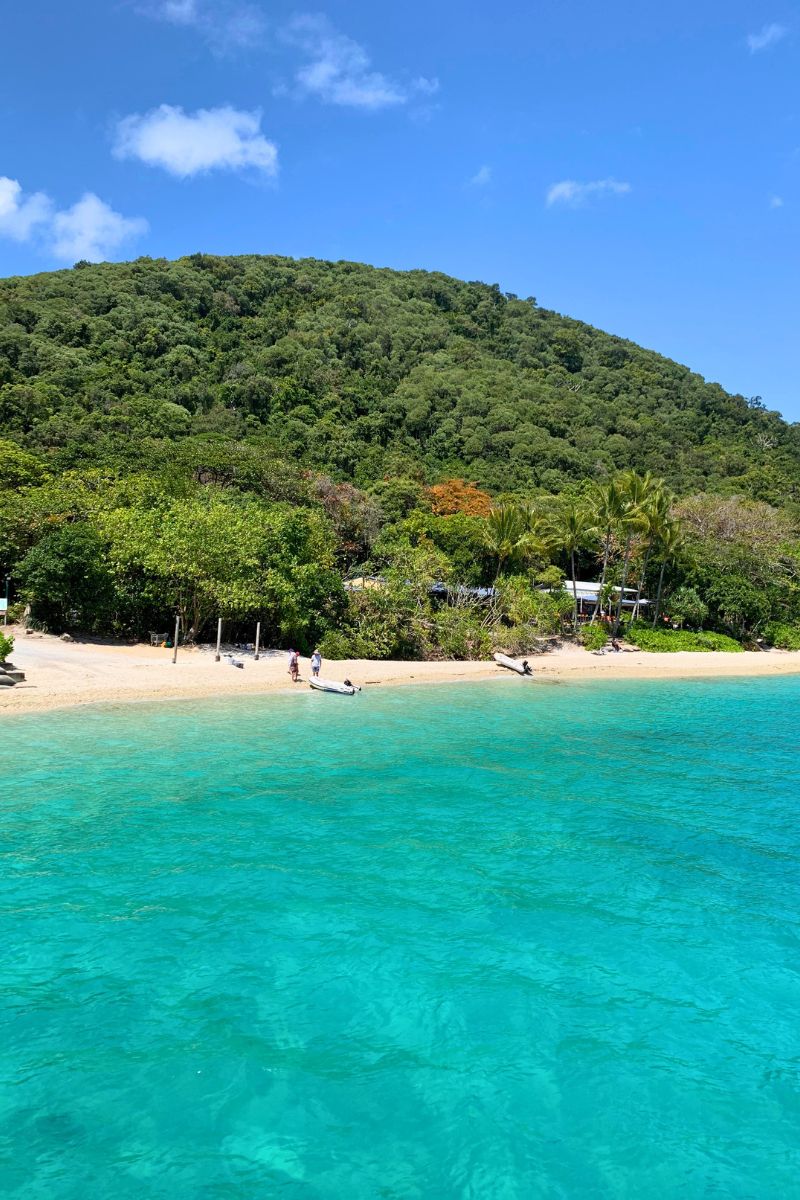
{"x": 67, "y": 674}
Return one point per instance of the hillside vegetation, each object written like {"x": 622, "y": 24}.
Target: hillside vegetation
{"x": 236, "y": 436}
{"x": 358, "y": 371}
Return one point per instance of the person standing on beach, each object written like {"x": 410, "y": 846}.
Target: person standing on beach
{"x": 316, "y": 663}
{"x": 294, "y": 665}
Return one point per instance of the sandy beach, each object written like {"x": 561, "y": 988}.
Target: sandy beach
{"x": 69, "y": 674}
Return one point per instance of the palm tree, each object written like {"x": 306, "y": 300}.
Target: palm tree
{"x": 573, "y": 529}
{"x": 655, "y": 518}
{"x": 607, "y": 506}
{"x": 637, "y": 491}
{"x": 668, "y": 547}
{"x": 505, "y": 534}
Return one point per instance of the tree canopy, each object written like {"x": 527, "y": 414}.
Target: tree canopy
{"x": 362, "y": 373}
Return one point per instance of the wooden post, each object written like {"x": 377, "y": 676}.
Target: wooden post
{"x": 175, "y": 643}
{"x": 219, "y": 639}
{"x": 258, "y": 639}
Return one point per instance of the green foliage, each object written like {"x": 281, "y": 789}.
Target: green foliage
{"x": 593, "y": 637}
{"x": 360, "y": 372}
{"x": 686, "y": 607}
{"x": 6, "y": 646}
{"x": 743, "y": 559}
{"x": 739, "y": 604}
{"x": 385, "y": 623}
{"x": 522, "y": 605}
{"x": 18, "y": 468}
{"x": 459, "y": 540}
{"x": 398, "y": 497}
{"x": 65, "y": 578}
{"x": 231, "y": 435}
{"x": 335, "y": 644}
{"x": 665, "y": 641}
{"x": 228, "y": 556}
{"x": 461, "y": 632}
{"x": 783, "y": 636}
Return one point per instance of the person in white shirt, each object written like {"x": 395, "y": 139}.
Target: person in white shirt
{"x": 316, "y": 663}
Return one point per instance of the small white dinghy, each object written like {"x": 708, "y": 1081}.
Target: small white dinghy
{"x": 330, "y": 685}
{"x": 513, "y": 664}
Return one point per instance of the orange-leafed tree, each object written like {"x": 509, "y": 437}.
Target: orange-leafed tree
{"x": 456, "y": 496}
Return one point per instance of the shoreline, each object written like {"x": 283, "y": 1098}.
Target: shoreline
{"x": 74, "y": 674}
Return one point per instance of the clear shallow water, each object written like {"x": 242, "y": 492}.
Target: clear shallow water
{"x": 487, "y": 941}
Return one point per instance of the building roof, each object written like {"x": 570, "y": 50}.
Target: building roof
{"x": 584, "y": 586}
{"x": 589, "y": 592}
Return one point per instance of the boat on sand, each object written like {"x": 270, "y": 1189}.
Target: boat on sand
{"x": 513, "y": 664}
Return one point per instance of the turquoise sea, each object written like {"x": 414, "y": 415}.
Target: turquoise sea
{"x": 489, "y": 941}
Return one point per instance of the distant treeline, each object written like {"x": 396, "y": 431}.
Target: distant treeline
{"x": 237, "y": 436}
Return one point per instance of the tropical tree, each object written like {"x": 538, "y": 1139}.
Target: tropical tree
{"x": 686, "y": 607}
{"x": 607, "y": 507}
{"x": 505, "y": 534}
{"x": 456, "y": 496}
{"x": 636, "y": 491}
{"x": 232, "y": 557}
{"x": 655, "y": 517}
{"x": 573, "y": 529}
{"x": 65, "y": 578}
{"x": 669, "y": 546}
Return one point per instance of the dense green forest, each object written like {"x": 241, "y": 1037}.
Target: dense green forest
{"x": 238, "y": 435}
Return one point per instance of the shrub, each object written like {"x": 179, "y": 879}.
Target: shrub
{"x": 661, "y": 641}
{"x": 686, "y": 606}
{"x": 520, "y": 604}
{"x": 718, "y": 641}
{"x": 593, "y": 637}
{"x": 460, "y": 633}
{"x": 335, "y": 644}
{"x": 783, "y": 636}
{"x": 6, "y": 646}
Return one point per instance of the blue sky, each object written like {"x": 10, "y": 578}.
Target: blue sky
{"x": 636, "y": 165}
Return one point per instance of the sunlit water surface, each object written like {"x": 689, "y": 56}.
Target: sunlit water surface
{"x": 496, "y": 941}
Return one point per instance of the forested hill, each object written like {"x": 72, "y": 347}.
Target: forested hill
{"x": 362, "y": 372}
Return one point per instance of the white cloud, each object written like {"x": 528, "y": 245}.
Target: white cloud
{"x": 776, "y": 201}
{"x": 425, "y": 87}
{"x": 92, "y": 230}
{"x": 339, "y": 71}
{"x": 179, "y": 12}
{"x": 768, "y": 36}
{"x": 574, "y": 194}
{"x": 225, "y": 24}
{"x": 20, "y": 215}
{"x": 188, "y": 144}
{"x": 482, "y": 176}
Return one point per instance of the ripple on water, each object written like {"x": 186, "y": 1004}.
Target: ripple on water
{"x": 474, "y": 941}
